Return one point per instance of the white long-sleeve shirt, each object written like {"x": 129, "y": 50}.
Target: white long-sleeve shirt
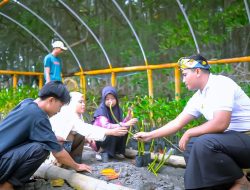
{"x": 63, "y": 124}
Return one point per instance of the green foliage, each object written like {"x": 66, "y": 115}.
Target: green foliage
{"x": 220, "y": 69}
{"x": 9, "y": 98}
{"x": 245, "y": 87}
{"x": 153, "y": 113}
{"x": 234, "y": 16}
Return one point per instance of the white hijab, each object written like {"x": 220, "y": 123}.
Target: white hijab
{"x": 63, "y": 122}
{"x": 70, "y": 109}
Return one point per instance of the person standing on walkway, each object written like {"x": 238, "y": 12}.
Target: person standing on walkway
{"x": 217, "y": 150}
{"x": 53, "y": 64}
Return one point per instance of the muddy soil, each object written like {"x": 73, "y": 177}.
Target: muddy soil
{"x": 138, "y": 178}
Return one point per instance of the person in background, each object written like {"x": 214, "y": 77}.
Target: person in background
{"x": 113, "y": 146}
{"x": 69, "y": 126}
{"x": 215, "y": 151}
{"x": 27, "y": 137}
{"x": 53, "y": 64}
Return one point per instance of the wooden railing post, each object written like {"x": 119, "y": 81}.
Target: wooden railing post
{"x": 177, "y": 80}
{"x": 40, "y": 81}
{"x": 113, "y": 79}
{"x": 83, "y": 85}
{"x": 150, "y": 83}
{"x": 14, "y": 81}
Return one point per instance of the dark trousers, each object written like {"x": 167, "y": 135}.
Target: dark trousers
{"x": 77, "y": 148}
{"x": 216, "y": 160}
{"x": 113, "y": 145}
{"x": 20, "y": 163}
{"x": 74, "y": 147}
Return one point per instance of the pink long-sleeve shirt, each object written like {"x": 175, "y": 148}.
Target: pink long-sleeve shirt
{"x": 102, "y": 121}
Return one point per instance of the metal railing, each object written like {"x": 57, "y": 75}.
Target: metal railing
{"x": 150, "y": 68}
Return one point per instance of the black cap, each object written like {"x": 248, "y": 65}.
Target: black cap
{"x": 55, "y": 89}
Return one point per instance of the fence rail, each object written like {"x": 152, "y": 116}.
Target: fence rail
{"x": 113, "y": 71}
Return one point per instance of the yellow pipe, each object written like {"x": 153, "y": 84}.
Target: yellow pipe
{"x": 131, "y": 69}
{"x": 113, "y": 79}
{"x": 128, "y": 69}
{"x": 20, "y": 73}
{"x": 161, "y": 66}
{"x": 177, "y": 79}
{"x": 3, "y": 2}
{"x": 134, "y": 68}
{"x": 83, "y": 85}
{"x": 40, "y": 83}
{"x": 230, "y": 60}
{"x": 150, "y": 83}
{"x": 14, "y": 81}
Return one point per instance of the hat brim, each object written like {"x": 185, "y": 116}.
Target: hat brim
{"x": 64, "y": 48}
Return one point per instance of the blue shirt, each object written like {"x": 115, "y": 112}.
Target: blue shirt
{"x": 54, "y": 63}
{"x": 27, "y": 123}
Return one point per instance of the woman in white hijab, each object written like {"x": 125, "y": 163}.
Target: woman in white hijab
{"x": 69, "y": 126}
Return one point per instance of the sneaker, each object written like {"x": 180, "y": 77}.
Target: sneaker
{"x": 119, "y": 156}
{"x": 98, "y": 157}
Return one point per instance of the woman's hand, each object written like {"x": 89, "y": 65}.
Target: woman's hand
{"x": 89, "y": 141}
{"x": 131, "y": 122}
{"x": 60, "y": 140}
{"x": 129, "y": 115}
{"x": 119, "y": 131}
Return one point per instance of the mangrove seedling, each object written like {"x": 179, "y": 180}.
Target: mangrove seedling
{"x": 116, "y": 120}
{"x": 154, "y": 168}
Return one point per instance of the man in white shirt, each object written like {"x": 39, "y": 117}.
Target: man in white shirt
{"x": 215, "y": 151}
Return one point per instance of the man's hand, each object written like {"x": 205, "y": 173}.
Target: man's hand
{"x": 83, "y": 167}
{"x": 184, "y": 140}
{"x": 63, "y": 157}
{"x": 47, "y": 71}
{"x": 142, "y": 136}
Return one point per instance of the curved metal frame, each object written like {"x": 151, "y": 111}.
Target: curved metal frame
{"x": 189, "y": 25}
{"x": 247, "y": 10}
{"x": 83, "y": 23}
{"x": 26, "y": 29}
{"x": 50, "y": 27}
{"x": 133, "y": 30}
{"x": 86, "y": 26}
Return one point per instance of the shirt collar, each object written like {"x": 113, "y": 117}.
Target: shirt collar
{"x": 207, "y": 86}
